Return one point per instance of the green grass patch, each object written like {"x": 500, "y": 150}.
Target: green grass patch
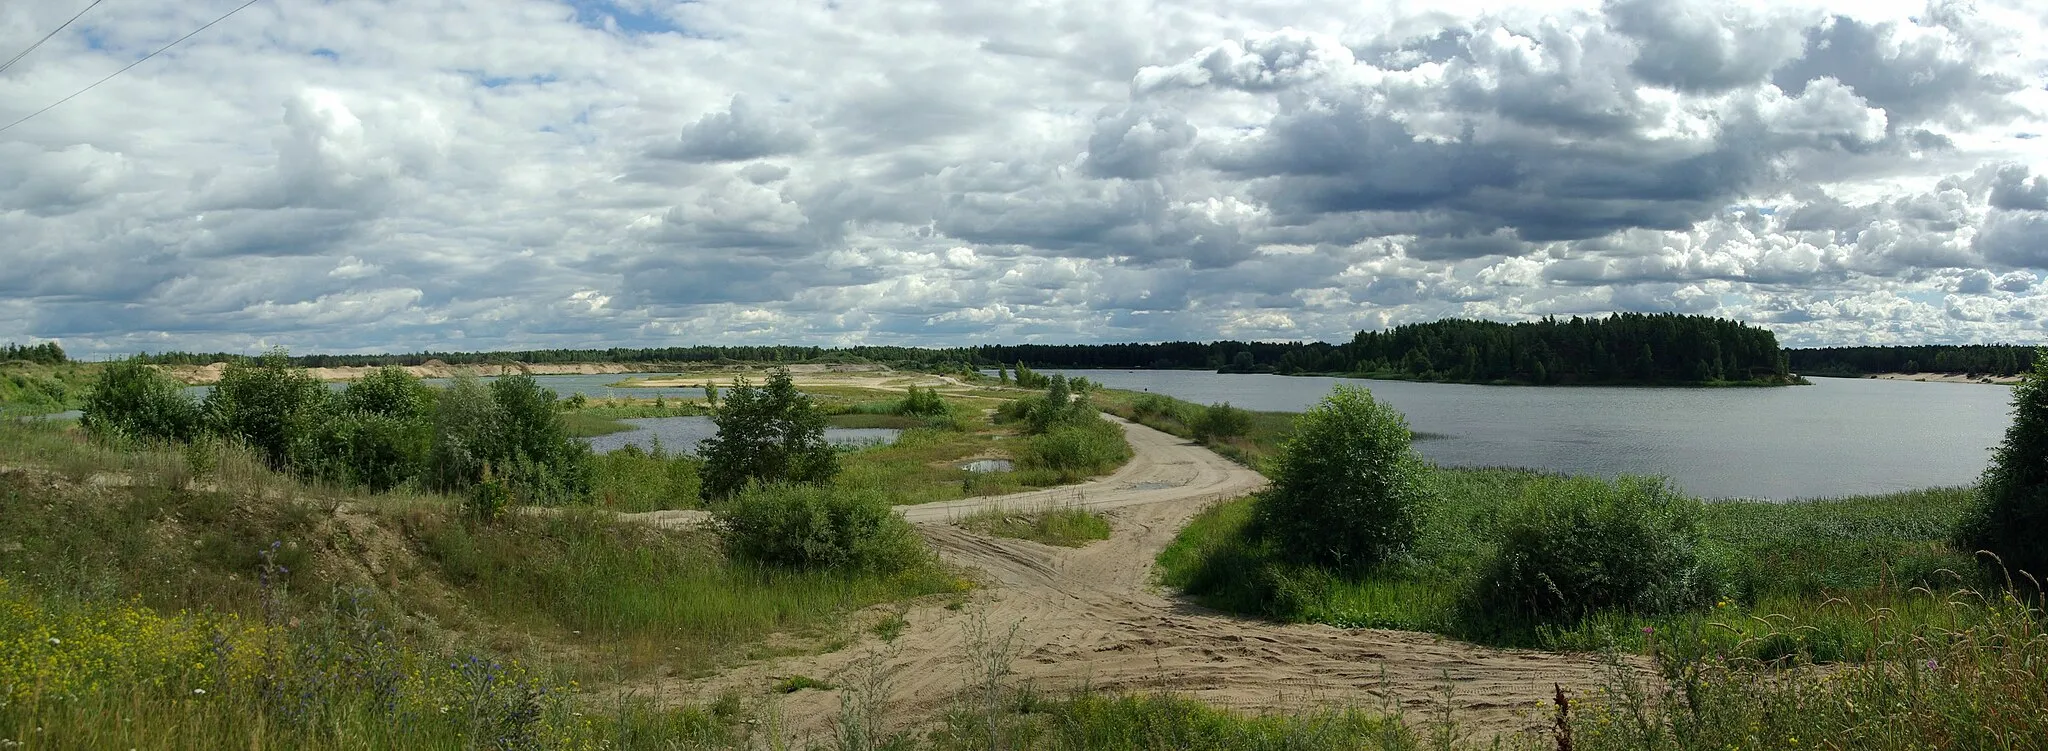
{"x": 583, "y": 424}
{"x": 1781, "y": 564}
{"x": 32, "y": 389}
{"x": 1099, "y": 721}
{"x": 869, "y": 420}
{"x": 1264, "y": 435}
{"x": 1065, "y": 527}
{"x": 795, "y": 683}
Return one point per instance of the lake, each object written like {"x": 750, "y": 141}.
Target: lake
{"x": 1837, "y": 437}
{"x": 684, "y": 433}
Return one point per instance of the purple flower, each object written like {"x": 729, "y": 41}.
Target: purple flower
{"x": 1648, "y": 630}
{"x": 1932, "y": 665}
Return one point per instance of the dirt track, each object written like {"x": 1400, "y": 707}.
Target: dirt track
{"x": 1090, "y": 617}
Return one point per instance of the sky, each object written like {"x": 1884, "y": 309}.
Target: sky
{"x": 372, "y": 176}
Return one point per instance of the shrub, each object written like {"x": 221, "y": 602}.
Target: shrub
{"x": 267, "y": 404}
{"x": 389, "y": 391}
{"x": 2011, "y": 514}
{"x": 1572, "y": 546}
{"x": 487, "y": 499}
{"x": 1077, "y": 450}
{"x": 370, "y": 449}
{"x": 1220, "y": 421}
{"x": 812, "y": 527}
{"x": 771, "y": 433}
{"x": 1347, "y": 488}
{"x": 632, "y": 480}
{"x": 466, "y": 431}
{"x": 133, "y": 400}
{"x": 538, "y": 456}
{"x": 923, "y": 403}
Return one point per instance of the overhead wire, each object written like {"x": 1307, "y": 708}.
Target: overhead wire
{"x": 46, "y": 37}
{"x": 145, "y": 58}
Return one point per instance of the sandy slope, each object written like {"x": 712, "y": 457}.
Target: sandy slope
{"x": 201, "y": 375}
{"x": 1946, "y": 378}
{"x": 1090, "y": 617}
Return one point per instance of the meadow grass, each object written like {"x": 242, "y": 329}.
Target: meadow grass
{"x": 1267, "y": 431}
{"x": 1063, "y": 526}
{"x": 33, "y": 389}
{"x": 583, "y": 424}
{"x": 1783, "y": 560}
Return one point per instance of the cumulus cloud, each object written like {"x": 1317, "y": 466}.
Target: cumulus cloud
{"x": 335, "y": 176}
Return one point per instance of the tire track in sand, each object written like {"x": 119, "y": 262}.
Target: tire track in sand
{"x": 1090, "y": 616}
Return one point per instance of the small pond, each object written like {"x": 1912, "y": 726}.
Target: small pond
{"x": 684, "y": 433}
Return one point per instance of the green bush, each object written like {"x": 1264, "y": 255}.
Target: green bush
{"x": 269, "y": 405}
{"x": 389, "y": 391}
{"x": 2010, "y": 518}
{"x": 466, "y": 433}
{"x": 133, "y": 400}
{"x": 1220, "y": 421}
{"x": 512, "y": 427}
{"x": 632, "y": 480}
{"x": 369, "y": 449}
{"x": 1076, "y": 450}
{"x": 923, "y": 403}
{"x": 813, "y": 527}
{"x": 1573, "y": 546}
{"x": 768, "y": 434}
{"x": 1347, "y": 488}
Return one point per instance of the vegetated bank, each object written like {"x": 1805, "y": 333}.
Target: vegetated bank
{"x": 1732, "y": 601}
{"x": 39, "y": 379}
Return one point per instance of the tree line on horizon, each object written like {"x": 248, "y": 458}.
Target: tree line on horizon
{"x": 1681, "y": 348}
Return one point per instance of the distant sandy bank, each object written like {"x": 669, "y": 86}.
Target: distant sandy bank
{"x": 1947, "y": 378}
{"x": 202, "y": 375}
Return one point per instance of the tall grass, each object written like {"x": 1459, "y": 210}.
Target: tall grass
{"x": 1065, "y": 526}
{"x": 1786, "y": 559}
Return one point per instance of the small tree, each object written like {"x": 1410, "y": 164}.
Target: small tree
{"x": 268, "y": 404}
{"x": 133, "y": 400}
{"x": 2011, "y": 514}
{"x": 771, "y": 433}
{"x": 1347, "y": 487}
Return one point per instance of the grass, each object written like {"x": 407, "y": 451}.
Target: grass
{"x": 1066, "y": 527}
{"x": 1784, "y": 560}
{"x": 32, "y": 389}
{"x": 1268, "y": 430}
{"x": 584, "y": 424}
{"x": 795, "y": 683}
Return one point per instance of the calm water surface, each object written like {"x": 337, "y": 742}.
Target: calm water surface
{"x": 1836, "y": 437}
{"x": 684, "y": 433}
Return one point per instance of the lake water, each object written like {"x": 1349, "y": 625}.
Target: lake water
{"x": 684, "y": 433}
{"x": 1836, "y": 437}
{"x": 596, "y": 387}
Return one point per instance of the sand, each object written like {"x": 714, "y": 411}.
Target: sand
{"x": 1947, "y": 378}
{"x": 1092, "y": 617}
{"x": 201, "y": 375}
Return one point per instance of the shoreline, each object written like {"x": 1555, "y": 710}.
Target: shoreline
{"x": 1995, "y": 380}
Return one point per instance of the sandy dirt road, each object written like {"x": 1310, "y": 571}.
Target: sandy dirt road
{"x": 1091, "y": 616}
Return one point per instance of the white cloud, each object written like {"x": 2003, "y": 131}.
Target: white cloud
{"x": 532, "y": 173}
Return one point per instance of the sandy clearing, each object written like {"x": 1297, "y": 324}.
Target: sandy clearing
{"x": 1090, "y": 616}
{"x": 203, "y": 375}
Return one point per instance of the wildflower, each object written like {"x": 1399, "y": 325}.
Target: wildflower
{"x": 198, "y": 692}
{"x": 54, "y": 641}
{"x": 1932, "y": 665}
{"x": 1647, "y": 630}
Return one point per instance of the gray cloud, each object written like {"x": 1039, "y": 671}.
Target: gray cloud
{"x": 346, "y": 176}
{"x": 740, "y": 133}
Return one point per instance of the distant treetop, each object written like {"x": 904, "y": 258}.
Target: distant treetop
{"x": 47, "y": 353}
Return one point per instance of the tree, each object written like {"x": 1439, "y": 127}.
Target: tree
{"x": 767, "y": 434}
{"x": 543, "y": 463}
{"x": 2010, "y": 518}
{"x": 268, "y": 404}
{"x": 711, "y": 394}
{"x": 133, "y": 400}
{"x": 1347, "y": 487}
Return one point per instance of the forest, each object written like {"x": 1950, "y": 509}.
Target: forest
{"x": 47, "y": 353}
{"x": 1982, "y": 359}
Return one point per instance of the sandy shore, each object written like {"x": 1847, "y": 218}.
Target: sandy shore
{"x": 1947, "y": 378}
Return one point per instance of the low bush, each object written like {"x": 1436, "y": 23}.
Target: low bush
{"x": 132, "y": 400}
{"x": 1076, "y": 450}
{"x": 269, "y": 405}
{"x": 1221, "y": 422}
{"x": 1570, "y": 547}
{"x": 1347, "y": 488}
{"x": 811, "y": 527}
{"x": 632, "y": 480}
{"x": 767, "y": 434}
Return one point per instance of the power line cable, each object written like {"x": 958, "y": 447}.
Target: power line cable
{"x": 145, "y": 58}
{"x": 46, "y": 37}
